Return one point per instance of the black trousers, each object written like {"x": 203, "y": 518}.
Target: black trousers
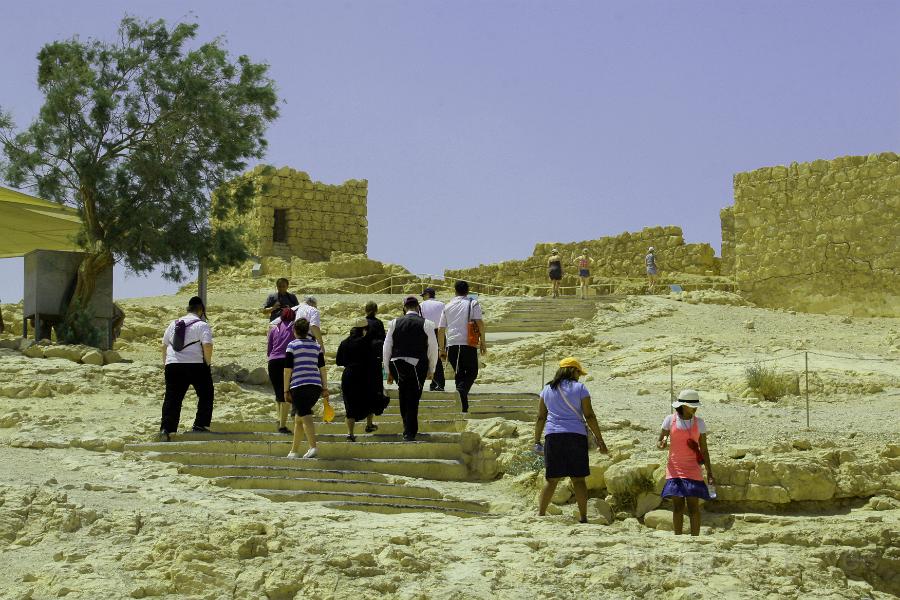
{"x": 179, "y": 377}
{"x": 464, "y": 360}
{"x": 276, "y": 377}
{"x": 438, "y": 381}
{"x": 410, "y": 381}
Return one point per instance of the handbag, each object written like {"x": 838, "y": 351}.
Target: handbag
{"x": 473, "y": 335}
{"x": 592, "y": 437}
{"x": 327, "y": 411}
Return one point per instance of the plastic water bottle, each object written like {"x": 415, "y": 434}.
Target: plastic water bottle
{"x": 712, "y": 491}
{"x": 539, "y": 449}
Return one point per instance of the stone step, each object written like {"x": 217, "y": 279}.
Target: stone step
{"x": 328, "y": 450}
{"x": 321, "y": 438}
{"x": 385, "y": 425}
{"x": 451, "y": 396}
{"x": 424, "y": 503}
{"x": 437, "y": 469}
{"x": 327, "y": 485}
{"x": 392, "y": 509}
{"x": 219, "y": 471}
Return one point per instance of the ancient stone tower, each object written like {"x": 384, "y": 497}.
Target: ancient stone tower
{"x": 295, "y": 216}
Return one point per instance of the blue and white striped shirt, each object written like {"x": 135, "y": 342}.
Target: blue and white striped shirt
{"x": 307, "y": 357}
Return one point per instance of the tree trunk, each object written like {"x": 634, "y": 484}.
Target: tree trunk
{"x": 91, "y": 267}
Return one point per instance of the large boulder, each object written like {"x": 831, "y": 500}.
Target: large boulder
{"x": 34, "y": 351}
{"x": 659, "y": 519}
{"x": 631, "y": 477}
{"x": 92, "y": 357}
{"x": 73, "y": 353}
{"x": 258, "y": 376}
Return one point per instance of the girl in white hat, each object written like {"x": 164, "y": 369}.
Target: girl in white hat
{"x": 685, "y": 434}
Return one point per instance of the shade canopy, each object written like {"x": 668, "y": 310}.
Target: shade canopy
{"x": 28, "y": 223}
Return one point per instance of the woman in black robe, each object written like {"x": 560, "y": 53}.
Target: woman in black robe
{"x": 355, "y": 355}
{"x": 376, "y": 335}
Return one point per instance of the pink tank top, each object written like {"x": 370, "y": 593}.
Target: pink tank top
{"x": 682, "y": 460}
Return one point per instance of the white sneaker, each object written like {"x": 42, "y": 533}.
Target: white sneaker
{"x": 311, "y": 453}
{"x": 292, "y": 454}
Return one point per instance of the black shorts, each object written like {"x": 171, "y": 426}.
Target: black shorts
{"x": 566, "y": 455}
{"x": 276, "y": 376}
{"x": 303, "y": 398}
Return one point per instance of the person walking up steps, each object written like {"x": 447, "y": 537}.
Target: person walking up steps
{"x": 461, "y": 333}
{"x": 431, "y": 310}
{"x": 280, "y": 299}
{"x": 685, "y": 434}
{"x": 306, "y": 379}
{"x": 584, "y": 263}
{"x": 410, "y": 354}
{"x": 279, "y": 338}
{"x": 564, "y": 416}
{"x": 187, "y": 351}
{"x": 375, "y": 333}
{"x": 554, "y": 270}
{"x": 355, "y": 355}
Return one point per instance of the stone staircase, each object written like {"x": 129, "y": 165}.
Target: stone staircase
{"x": 545, "y": 314}
{"x": 520, "y": 406}
{"x": 377, "y": 473}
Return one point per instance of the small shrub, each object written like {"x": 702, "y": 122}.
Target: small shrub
{"x": 524, "y": 462}
{"x": 78, "y": 327}
{"x": 768, "y": 383}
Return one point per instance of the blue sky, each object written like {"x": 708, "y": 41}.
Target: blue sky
{"x": 485, "y": 127}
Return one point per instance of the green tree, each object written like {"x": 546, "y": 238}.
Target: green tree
{"x": 137, "y": 134}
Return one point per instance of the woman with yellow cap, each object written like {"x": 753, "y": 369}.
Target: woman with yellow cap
{"x": 564, "y": 417}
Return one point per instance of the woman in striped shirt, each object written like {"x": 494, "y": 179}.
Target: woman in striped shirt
{"x": 305, "y": 379}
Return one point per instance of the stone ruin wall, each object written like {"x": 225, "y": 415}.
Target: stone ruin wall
{"x": 821, "y": 236}
{"x": 320, "y": 218}
{"x": 618, "y": 256}
{"x": 726, "y": 216}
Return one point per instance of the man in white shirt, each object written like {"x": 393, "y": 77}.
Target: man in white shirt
{"x": 456, "y": 343}
{"x": 409, "y": 355}
{"x": 187, "y": 366}
{"x": 308, "y": 310}
{"x": 431, "y": 310}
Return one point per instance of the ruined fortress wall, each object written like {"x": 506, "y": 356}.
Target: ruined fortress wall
{"x": 726, "y": 216}
{"x": 615, "y": 256}
{"x": 319, "y": 218}
{"x": 821, "y": 236}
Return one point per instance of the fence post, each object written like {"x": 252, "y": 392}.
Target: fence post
{"x": 671, "y": 380}
{"x": 806, "y": 378}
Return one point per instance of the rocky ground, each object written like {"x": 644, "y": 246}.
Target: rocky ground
{"x": 803, "y": 512}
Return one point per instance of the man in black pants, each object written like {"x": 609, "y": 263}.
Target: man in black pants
{"x": 409, "y": 355}
{"x": 187, "y": 367}
{"x": 460, "y": 336}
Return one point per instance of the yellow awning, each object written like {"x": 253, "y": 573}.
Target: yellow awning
{"x": 28, "y": 223}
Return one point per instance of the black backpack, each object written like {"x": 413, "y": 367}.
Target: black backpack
{"x": 178, "y": 337}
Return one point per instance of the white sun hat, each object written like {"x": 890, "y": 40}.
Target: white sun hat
{"x": 687, "y": 398}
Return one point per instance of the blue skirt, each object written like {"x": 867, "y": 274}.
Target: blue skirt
{"x": 685, "y": 488}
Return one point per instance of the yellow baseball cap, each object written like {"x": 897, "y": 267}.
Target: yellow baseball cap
{"x": 571, "y": 361}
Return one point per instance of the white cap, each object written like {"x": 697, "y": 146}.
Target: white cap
{"x": 687, "y": 398}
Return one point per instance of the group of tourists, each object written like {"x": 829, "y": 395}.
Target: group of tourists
{"x": 411, "y": 350}
{"x": 566, "y": 419}
{"x": 583, "y": 261}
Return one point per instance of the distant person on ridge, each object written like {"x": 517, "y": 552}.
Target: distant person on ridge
{"x": 2, "y": 326}
{"x": 187, "y": 351}
{"x": 554, "y": 270}
{"x": 276, "y": 345}
{"x": 685, "y": 434}
{"x": 431, "y": 310}
{"x": 584, "y": 263}
{"x": 564, "y": 417}
{"x": 306, "y": 379}
{"x": 280, "y": 299}
{"x": 650, "y": 261}
{"x": 461, "y": 333}
{"x": 409, "y": 355}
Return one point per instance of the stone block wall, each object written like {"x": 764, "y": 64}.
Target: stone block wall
{"x": 615, "y": 256}
{"x": 821, "y": 236}
{"x": 320, "y": 218}
{"x": 726, "y": 216}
